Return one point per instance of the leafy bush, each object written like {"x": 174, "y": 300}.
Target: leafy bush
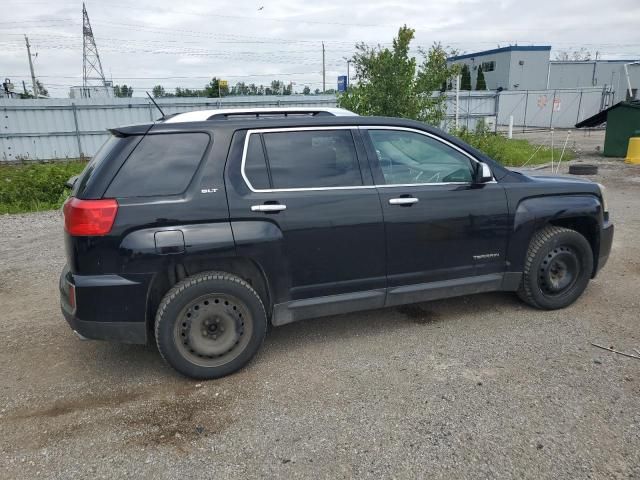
{"x": 510, "y": 152}
{"x": 392, "y": 82}
{"x": 37, "y": 186}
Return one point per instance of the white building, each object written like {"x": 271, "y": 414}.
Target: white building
{"x": 530, "y": 68}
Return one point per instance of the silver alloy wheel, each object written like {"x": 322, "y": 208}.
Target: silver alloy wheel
{"x": 213, "y": 329}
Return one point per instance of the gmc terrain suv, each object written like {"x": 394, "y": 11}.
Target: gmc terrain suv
{"x": 201, "y": 229}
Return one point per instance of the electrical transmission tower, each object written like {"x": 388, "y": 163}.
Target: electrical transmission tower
{"x": 92, "y": 73}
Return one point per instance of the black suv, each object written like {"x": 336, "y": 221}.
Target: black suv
{"x": 198, "y": 234}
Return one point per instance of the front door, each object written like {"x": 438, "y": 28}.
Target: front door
{"x": 310, "y": 184}
{"x": 440, "y": 226}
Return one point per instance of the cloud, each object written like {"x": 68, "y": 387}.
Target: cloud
{"x": 146, "y": 43}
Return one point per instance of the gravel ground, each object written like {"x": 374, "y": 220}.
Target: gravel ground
{"x": 473, "y": 387}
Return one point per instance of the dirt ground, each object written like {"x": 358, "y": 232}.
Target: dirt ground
{"x": 471, "y": 387}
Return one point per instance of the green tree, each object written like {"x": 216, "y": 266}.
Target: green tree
{"x": 214, "y": 90}
{"x": 158, "y": 91}
{"x": 317, "y": 91}
{"x": 306, "y": 90}
{"x": 465, "y": 81}
{"x": 188, "y": 92}
{"x": 276, "y": 88}
{"x": 481, "y": 83}
{"x": 392, "y": 83}
{"x": 122, "y": 91}
{"x": 240, "y": 88}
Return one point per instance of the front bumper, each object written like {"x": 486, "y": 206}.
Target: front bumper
{"x": 606, "y": 239}
{"x": 105, "y": 307}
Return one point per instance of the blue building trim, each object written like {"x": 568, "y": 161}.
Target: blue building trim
{"x": 512, "y": 48}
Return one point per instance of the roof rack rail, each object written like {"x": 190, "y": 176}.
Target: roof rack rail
{"x": 253, "y": 113}
{"x": 270, "y": 114}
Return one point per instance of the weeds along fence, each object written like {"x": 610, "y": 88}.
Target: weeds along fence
{"x": 49, "y": 129}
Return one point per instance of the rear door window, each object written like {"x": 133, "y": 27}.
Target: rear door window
{"x": 312, "y": 159}
{"x": 255, "y": 167}
{"x": 161, "y": 164}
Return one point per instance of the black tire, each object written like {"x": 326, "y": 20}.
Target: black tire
{"x": 210, "y": 325}
{"x": 557, "y": 268}
{"x": 583, "y": 169}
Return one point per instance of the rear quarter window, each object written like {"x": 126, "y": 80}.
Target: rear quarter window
{"x": 161, "y": 164}
{"x": 108, "y": 148}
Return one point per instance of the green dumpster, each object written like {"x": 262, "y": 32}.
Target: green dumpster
{"x": 623, "y": 122}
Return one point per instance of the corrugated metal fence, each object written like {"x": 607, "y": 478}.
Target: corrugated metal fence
{"x": 473, "y": 107}
{"x": 65, "y": 128}
{"x": 551, "y": 108}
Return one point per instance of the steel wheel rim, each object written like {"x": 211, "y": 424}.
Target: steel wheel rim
{"x": 213, "y": 329}
{"x": 559, "y": 271}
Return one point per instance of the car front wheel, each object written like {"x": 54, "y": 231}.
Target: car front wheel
{"x": 557, "y": 268}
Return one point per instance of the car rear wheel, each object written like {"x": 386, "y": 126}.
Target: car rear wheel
{"x": 557, "y": 268}
{"x": 210, "y": 325}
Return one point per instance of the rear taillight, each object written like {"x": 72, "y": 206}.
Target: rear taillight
{"x": 89, "y": 217}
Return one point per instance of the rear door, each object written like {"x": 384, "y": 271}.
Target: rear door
{"x": 315, "y": 185}
{"x": 439, "y": 225}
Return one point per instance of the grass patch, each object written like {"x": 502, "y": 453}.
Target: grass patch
{"x": 514, "y": 152}
{"x": 35, "y": 186}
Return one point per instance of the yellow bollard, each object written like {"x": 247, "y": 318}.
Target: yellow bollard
{"x": 633, "y": 151}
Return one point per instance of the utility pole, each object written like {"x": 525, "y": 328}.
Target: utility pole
{"x": 33, "y": 75}
{"x": 348, "y": 77}
{"x": 324, "y": 86}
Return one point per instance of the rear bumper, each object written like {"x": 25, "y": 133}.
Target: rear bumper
{"x": 105, "y": 307}
{"x": 125, "y": 332}
{"x": 606, "y": 239}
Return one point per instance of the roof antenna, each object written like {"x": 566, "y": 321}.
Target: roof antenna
{"x": 157, "y": 106}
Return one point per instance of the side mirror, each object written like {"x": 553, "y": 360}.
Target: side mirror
{"x": 484, "y": 174}
{"x": 71, "y": 182}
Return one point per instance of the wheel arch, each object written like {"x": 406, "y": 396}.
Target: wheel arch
{"x": 245, "y": 268}
{"x": 587, "y": 227}
{"x": 582, "y": 213}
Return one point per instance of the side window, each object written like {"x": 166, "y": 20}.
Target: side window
{"x": 312, "y": 159}
{"x": 161, "y": 164}
{"x": 255, "y": 166}
{"x": 409, "y": 157}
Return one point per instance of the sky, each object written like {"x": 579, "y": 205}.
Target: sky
{"x": 183, "y": 44}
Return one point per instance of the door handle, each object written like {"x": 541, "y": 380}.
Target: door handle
{"x": 268, "y": 207}
{"x": 403, "y": 201}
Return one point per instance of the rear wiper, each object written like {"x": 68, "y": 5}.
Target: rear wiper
{"x": 71, "y": 182}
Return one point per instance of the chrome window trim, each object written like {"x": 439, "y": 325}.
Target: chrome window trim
{"x": 293, "y": 129}
{"x": 346, "y": 127}
{"x": 437, "y": 139}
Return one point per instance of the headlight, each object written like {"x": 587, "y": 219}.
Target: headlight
{"x": 603, "y": 195}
